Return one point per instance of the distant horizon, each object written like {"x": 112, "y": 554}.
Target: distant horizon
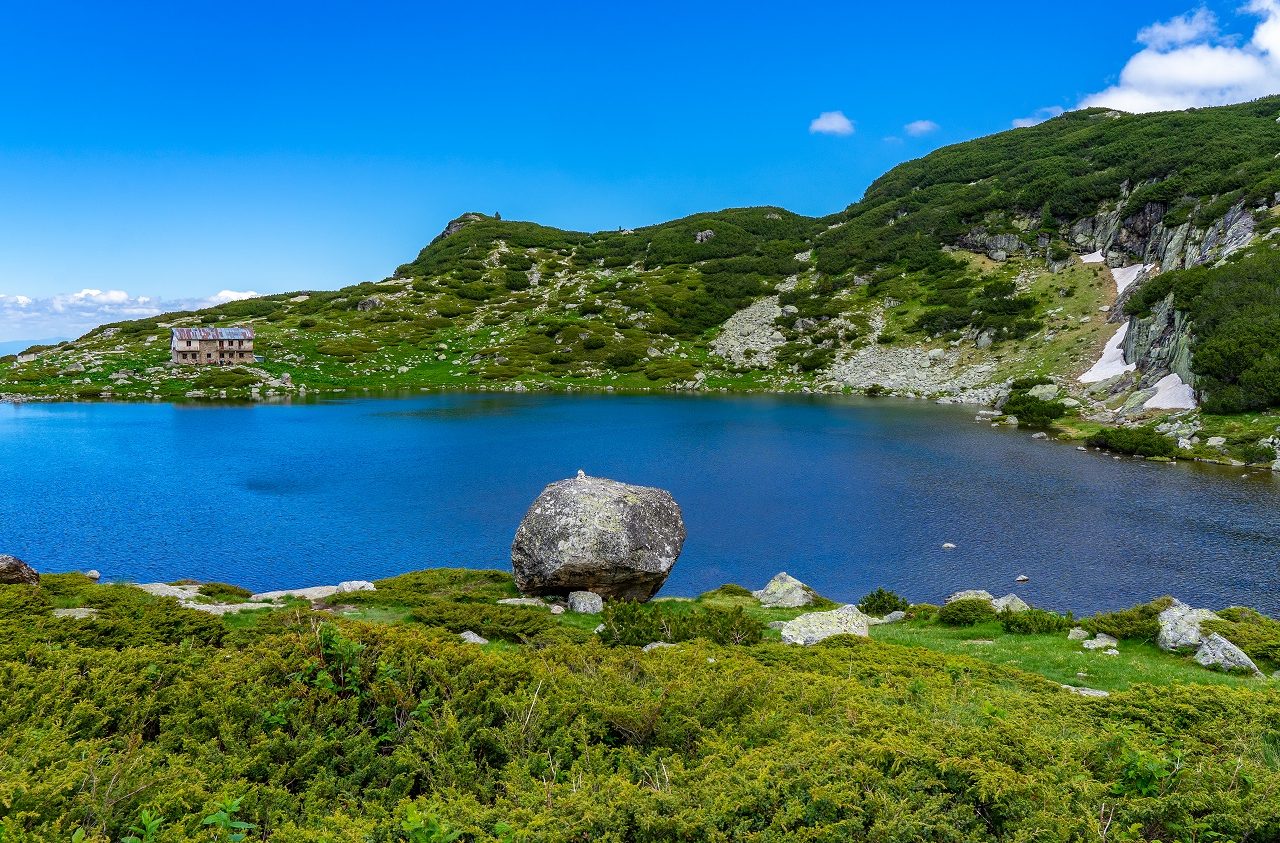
{"x": 172, "y": 158}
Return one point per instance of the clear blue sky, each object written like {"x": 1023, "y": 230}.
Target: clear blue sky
{"x": 176, "y": 150}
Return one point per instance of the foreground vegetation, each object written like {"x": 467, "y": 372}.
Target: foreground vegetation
{"x": 371, "y": 721}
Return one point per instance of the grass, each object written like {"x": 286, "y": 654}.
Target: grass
{"x": 1055, "y": 657}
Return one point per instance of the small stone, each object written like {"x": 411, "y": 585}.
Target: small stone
{"x": 557, "y": 609}
{"x": 1078, "y": 633}
{"x": 1086, "y": 692}
{"x": 1101, "y": 641}
{"x": 78, "y": 614}
{"x": 1022, "y": 578}
{"x": 586, "y": 602}
{"x": 469, "y": 637}
{"x": 948, "y": 546}
{"x": 93, "y": 574}
{"x": 1040, "y": 435}
{"x": 894, "y": 617}
{"x": 1111, "y": 652}
{"x": 971, "y": 594}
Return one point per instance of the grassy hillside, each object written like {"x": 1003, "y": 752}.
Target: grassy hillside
{"x": 373, "y": 722}
{"x": 968, "y": 253}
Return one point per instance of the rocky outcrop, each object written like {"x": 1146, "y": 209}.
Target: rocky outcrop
{"x": 970, "y": 594}
{"x": 784, "y": 592}
{"x": 815, "y": 626}
{"x": 594, "y": 534}
{"x": 1145, "y": 236}
{"x": 1010, "y": 603}
{"x": 13, "y": 571}
{"x": 1216, "y": 651}
{"x": 750, "y": 338}
{"x": 1160, "y": 344}
{"x": 1180, "y": 626}
{"x": 457, "y": 225}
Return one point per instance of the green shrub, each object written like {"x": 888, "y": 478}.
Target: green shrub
{"x": 1035, "y": 621}
{"x": 1137, "y": 623}
{"x": 1255, "y": 633}
{"x": 462, "y": 585}
{"x": 225, "y": 591}
{"x": 967, "y": 612}
{"x": 881, "y": 602}
{"x": 680, "y": 370}
{"x": 636, "y": 624}
{"x": 509, "y": 623}
{"x": 1034, "y": 412}
{"x": 922, "y": 611}
{"x": 729, "y": 590}
{"x": 1142, "y": 441}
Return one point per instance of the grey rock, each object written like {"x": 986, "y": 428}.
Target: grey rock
{"x": 586, "y": 602}
{"x": 1010, "y": 603}
{"x": 971, "y": 594}
{"x": 784, "y": 592}
{"x": 1086, "y": 692}
{"x": 593, "y": 534}
{"x": 1022, "y": 578}
{"x": 894, "y": 617}
{"x": 984, "y": 340}
{"x": 1101, "y": 641}
{"x": 1078, "y": 633}
{"x": 776, "y": 624}
{"x": 1045, "y": 391}
{"x": 815, "y": 626}
{"x": 703, "y": 236}
{"x": 655, "y": 645}
{"x": 1180, "y": 626}
{"x": 1040, "y": 435}
{"x": 93, "y": 574}
{"x": 1216, "y": 651}
{"x": 469, "y": 637}
{"x": 13, "y": 571}
{"x": 1216, "y": 441}
{"x": 355, "y": 585}
{"x": 371, "y": 303}
{"x": 535, "y": 602}
{"x": 77, "y": 614}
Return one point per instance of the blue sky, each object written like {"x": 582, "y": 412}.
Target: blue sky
{"x": 166, "y": 153}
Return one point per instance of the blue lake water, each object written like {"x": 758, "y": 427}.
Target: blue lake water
{"x": 846, "y": 494}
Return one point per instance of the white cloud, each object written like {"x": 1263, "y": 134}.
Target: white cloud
{"x": 1187, "y": 63}
{"x": 73, "y": 314}
{"x": 916, "y": 128}
{"x": 1183, "y": 29}
{"x": 831, "y": 123}
{"x": 1039, "y": 116}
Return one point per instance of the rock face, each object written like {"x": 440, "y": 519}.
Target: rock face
{"x": 586, "y": 602}
{"x": 815, "y": 626}
{"x": 1180, "y": 626}
{"x": 1216, "y": 651}
{"x": 593, "y": 534}
{"x": 13, "y": 571}
{"x": 784, "y": 592}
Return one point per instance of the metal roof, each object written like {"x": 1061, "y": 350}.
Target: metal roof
{"x": 237, "y": 333}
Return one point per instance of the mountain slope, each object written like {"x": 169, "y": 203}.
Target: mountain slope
{"x": 990, "y": 260}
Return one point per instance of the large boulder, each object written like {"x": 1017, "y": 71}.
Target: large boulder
{"x": 1180, "y": 626}
{"x": 784, "y": 592}
{"x": 1010, "y": 603}
{"x": 13, "y": 571}
{"x": 815, "y": 626}
{"x": 970, "y": 594}
{"x": 1216, "y": 651}
{"x": 593, "y": 534}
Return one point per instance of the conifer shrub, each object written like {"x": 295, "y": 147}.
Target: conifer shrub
{"x": 633, "y": 624}
{"x": 225, "y": 591}
{"x": 1035, "y": 621}
{"x": 1137, "y": 623}
{"x": 1251, "y": 631}
{"x": 881, "y": 602}
{"x": 509, "y": 623}
{"x": 1139, "y": 441}
{"x": 967, "y": 612}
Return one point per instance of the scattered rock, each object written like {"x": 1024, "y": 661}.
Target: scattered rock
{"x": 1086, "y": 692}
{"x": 594, "y": 534}
{"x": 1078, "y": 633}
{"x": 1010, "y": 603}
{"x": 1111, "y": 651}
{"x": 784, "y": 592}
{"x": 1216, "y": 651}
{"x": 815, "y": 626}
{"x": 894, "y": 617}
{"x": 1101, "y": 641}
{"x": 586, "y": 602}
{"x": 469, "y": 637}
{"x": 971, "y": 594}
{"x": 1180, "y": 626}
{"x": 371, "y": 303}
{"x": 654, "y": 645}
{"x": 13, "y": 571}
{"x": 1040, "y": 435}
{"x": 78, "y": 614}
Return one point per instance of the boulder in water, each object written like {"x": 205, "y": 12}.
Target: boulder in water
{"x": 13, "y": 571}
{"x": 594, "y": 534}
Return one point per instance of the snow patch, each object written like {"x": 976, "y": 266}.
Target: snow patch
{"x": 1112, "y": 361}
{"x": 1125, "y": 276}
{"x": 1171, "y": 394}
{"x": 1092, "y": 257}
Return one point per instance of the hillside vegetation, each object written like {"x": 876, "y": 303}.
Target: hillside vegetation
{"x": 955, "y": 273}
{"x": 374, "y": 722}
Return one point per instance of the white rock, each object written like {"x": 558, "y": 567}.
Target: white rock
{"x": 1086, "y": 692}
{"x": 1010, "y": 603}
{"x": 1101, "y": 641}
{"x": 784, "y": 592}
{"x": 948, "y": 546}
{"x": 355, "y": 585}
{"x": 815, "y": 626}
{"x": 1216, "y": 651}
{"x": 557, "y": 609}
{"x": 1022, "y": 578}
{"x": 1078, "y": 633}
{"x": 655, "y": 645}
{"x": 315, "y": 592}
{"x": 1180, "y": 626}
{"x": 78, "y": 614}
{"x": 469, "y": 637}
{"x": 93, "y": 574}
{"x": 586, "y": 602}
{"x": 536, "y": 602}
{"x": 971, "y": 594}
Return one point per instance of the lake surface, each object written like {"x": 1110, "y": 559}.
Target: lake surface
{"x": 847, "y": 494}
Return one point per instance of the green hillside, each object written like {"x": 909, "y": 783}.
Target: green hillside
{"x": 954, "y": 274}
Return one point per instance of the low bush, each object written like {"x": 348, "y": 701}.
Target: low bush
{"x": 490, "y": 620}
{"x": 881, "y": 602}
{"x": 1035, "y": 622}
{"x": 636, "y": 624}
{"x": 462, "y": 585}
{"x": 1137, "y": 623}
{"x": 922, "y": 611}
{"x": 225, "y": 591}
{"x": 967, "y": 612}
{"x": 1034, "y": 412}
{"x": 729, "y": 590}
{"x": 1140, "y": 441}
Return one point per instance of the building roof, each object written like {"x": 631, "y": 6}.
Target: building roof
{"x": 237, "y": 333}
